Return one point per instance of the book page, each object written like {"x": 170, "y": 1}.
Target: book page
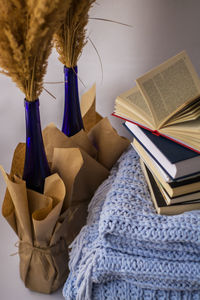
{"x": 190, "y": 113}
{"x": 133, "y": 101}
{"x": 169, "y": 87}
{"x": 187, "y": 132}
{"x": 130, "y": 115}
{"x": 184, "y": 127}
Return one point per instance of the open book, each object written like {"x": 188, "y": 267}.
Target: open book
{"x": 166, "y": 100}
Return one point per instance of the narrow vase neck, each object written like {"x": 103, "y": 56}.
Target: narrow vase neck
{"x": 36, "y": 167}
{"x": 72, "y": 119}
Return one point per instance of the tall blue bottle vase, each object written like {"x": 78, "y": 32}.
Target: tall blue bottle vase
{"x": 72, "y": 119}
{"x": 36, "y": 167}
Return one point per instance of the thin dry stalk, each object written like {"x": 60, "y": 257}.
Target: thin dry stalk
{"x": 71, "y": 36}
{"x": 26, "y": 31}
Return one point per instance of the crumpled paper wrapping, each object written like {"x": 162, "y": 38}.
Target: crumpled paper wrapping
{"x": 47, "y": 223}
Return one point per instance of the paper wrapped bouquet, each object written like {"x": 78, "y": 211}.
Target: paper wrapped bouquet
{"x": 47, "y": 223}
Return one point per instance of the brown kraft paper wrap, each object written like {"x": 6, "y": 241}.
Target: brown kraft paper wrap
{"x": 47, "y": 223}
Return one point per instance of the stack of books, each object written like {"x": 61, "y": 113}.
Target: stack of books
{"x": 163, "y": 114}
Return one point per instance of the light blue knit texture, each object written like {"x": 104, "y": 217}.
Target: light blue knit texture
{"x": 127, "y": 251}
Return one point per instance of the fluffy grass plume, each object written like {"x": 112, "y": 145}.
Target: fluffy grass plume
{"x": 71, "y": 36}
{"x": 26, "y": 32}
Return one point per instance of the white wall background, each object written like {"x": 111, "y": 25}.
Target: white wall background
{"x": 161, "y": 28}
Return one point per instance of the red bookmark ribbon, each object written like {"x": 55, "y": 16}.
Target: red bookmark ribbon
{"x": 156, "y": 132}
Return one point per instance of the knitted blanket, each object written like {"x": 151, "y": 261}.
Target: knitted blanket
{"x": 127, "y": 251}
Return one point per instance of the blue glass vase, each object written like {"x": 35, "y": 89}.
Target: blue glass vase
{"x": 72, "y": 119}
{"x": 36, "y": 167}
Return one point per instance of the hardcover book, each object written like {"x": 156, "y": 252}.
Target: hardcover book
{"x": 166, "y": 100}
{"x": 175, "y": 159}
{"x": 159, "y": 201}
{"x": 174, "y": 188}
{"x": 180, "y": 199}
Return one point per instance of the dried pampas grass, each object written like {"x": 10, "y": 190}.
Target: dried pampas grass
{"x": 71, "y": 37}
{"x": 26, "y": 31}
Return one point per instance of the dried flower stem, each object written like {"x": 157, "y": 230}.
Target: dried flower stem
{"x": 26, "y": 31}
{"x": 71, "y": 37}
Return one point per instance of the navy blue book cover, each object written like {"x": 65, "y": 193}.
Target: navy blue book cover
{"x": 172, "y": 150}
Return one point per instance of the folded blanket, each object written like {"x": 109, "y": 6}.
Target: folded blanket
{"x": 127, "y": 251}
